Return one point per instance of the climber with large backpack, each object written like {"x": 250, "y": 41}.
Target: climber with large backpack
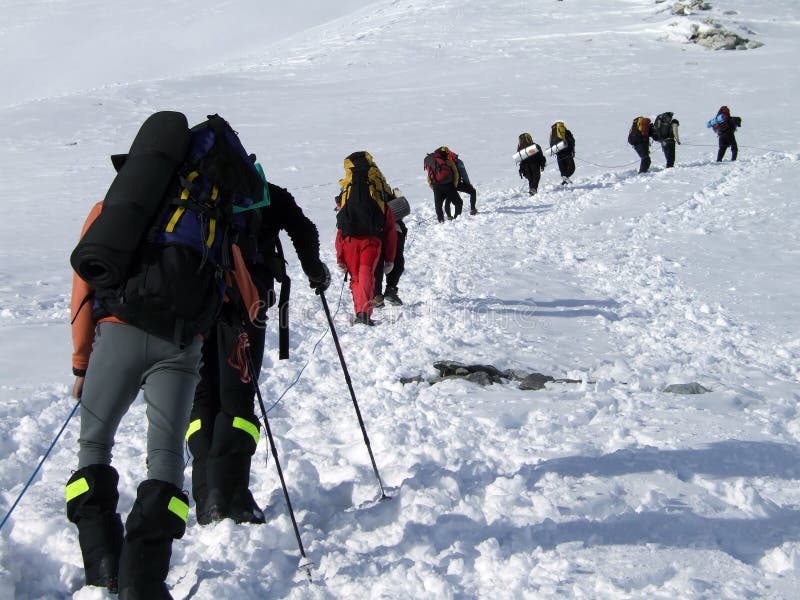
{"x": 532, "y": 166}
{"x": 639, "y": 137}
{"x": 725, "y": 127}
{"x": 156, "y": 260}
{"x": 366, "y": 229}
{"x": 224, "y": 430}
{"x": 441, "y": 167}
{"x": 562, "y": 144}
{"x": 665, "y": 131}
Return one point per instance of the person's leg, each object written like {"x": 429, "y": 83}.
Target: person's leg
{"x": 438, "y": 200}
{"x": 458, "y": 203}
{"x": 377, "y": 298}
{"x": 112, "y": 384}
{"x": 168, "y": 390}
{"x": 533, "y": 179}
{"x": 351, "y": 249}
{"x": 204, "y": 413}
{"x": 562, "y": 165}
{"x": 669, "y": 153}
{"x": 92, "y": 497}
{"x": 734, "y": 148}
{"x": 160, "y": 511}
{"x": 393, "y": 278}
{"x": 643, "y": 150}
{"x": 467, "y": 188}
{"x": 570, "y": 165}
{"x": 368, "y": 258}
{"x": 157, "y": 517}
{"x": 236, "y": 429}
{"x": 721, "y": 152}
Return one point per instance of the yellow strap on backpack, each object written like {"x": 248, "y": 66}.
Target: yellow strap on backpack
{"x": 176, "y": 216}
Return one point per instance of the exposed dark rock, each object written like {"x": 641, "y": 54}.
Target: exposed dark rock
{"x": 486, "y": 375}
{"x": 685, "y": 7}
{"x": 535, "y": 381}
{"x": 449, "y": 368}
{"x": 480, "y": 377}
{"x": 715, "y": 37}
{"x": 686, "y": 388}
{"x": 415, "y": 379}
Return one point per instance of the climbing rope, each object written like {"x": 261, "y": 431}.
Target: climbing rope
{"x": 39, "y": 466}
{"x": 310, "y": 356}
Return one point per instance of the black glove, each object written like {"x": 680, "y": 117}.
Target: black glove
{"x": 321, "y": 281}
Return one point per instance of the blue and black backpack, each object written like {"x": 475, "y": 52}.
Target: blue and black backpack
{"x": 159, "y": 253}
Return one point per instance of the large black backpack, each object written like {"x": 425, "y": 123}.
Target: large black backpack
{"x": 188, "y": 190}
{"x": 362, "y": 209}
{"x": 662, "y": 126}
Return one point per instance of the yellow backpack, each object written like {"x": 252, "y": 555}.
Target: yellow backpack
{"x": 362, "y": 201}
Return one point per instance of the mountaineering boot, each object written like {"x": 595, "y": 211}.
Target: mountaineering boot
{"x": 215, "y": 508}
{"x": 565, "y": 180}
{"x": 92, "y": 497}
{"x": 377, "y": 301}
{"x": 390, "y": 296}
{"x": 532, "y": 192}
{"x": 243, "y": 508}
{"x": 362, "y": 318}
{"x": 473, "y": 211}
{"x": 228, "y": 469}
{"x": 198, "y": 440}
{"x": 157, "y": 517}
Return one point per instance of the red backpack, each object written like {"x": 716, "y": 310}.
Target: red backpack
{"x": 439, "y": 166}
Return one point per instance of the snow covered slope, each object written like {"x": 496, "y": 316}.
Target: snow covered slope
{"x": 609, "y": 489}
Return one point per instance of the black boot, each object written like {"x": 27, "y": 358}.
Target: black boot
{"x": 243, "y": 508}
{"x": 92, "y": 505}
{"x": 390, "y": 295}
{"x": 235, "y": 441}
{"x": 363, "y": 318}
{"x": 158, "y": 516}
{"x": 198, "y": 440}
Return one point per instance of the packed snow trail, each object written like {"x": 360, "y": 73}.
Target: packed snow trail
{"x": 605, "y": 490}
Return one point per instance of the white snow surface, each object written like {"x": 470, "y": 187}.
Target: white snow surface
{"x": 609, "y": 488}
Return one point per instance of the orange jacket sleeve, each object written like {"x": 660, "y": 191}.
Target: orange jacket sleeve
{"x": 82, "y": 322}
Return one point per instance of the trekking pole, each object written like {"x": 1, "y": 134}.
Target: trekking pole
{"x": 254, "y": 378}
{"x": 39, "y": 466}
{"x": 352, "y": 394}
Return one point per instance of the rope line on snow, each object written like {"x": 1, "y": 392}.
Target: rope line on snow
{"x": 311, "y": 355}
{"x": 39, "y": 466}
{"x": 606, "y": 166}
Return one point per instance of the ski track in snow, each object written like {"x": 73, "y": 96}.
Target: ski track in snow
{"x": 609, "y": 489}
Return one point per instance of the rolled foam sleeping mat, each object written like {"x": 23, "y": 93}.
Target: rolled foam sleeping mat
{"x": 400, "y": 208}
{"x": 526, "y": 152}
{"x": 106, "y": 252}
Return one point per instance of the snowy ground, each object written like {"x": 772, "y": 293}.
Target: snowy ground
{"x": 609, "y": 489}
